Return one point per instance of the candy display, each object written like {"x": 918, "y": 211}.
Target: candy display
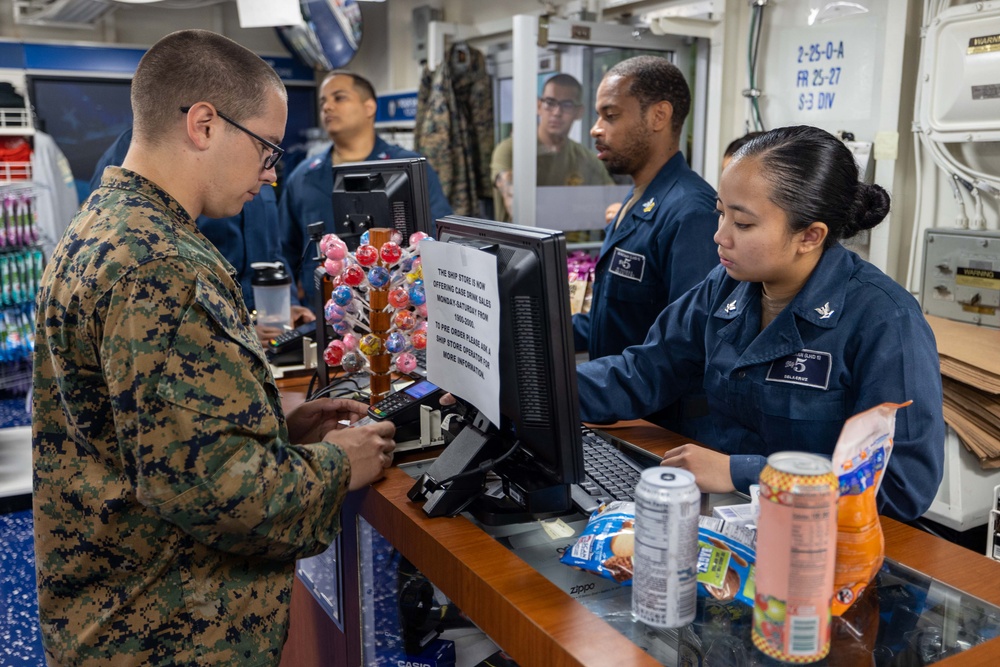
{"x": 377, "y": 308}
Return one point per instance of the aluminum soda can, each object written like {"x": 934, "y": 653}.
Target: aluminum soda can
{"x": 796, "y": 551}
{"x": 665, "y": 563}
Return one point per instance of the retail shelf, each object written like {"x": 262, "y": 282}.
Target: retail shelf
{"x": 15, "y": 121}
{"x": 15, "y": 173}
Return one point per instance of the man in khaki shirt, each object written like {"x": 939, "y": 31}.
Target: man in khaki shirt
{"x": 561, "y": 161}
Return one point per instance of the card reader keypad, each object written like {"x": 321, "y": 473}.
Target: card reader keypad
{"x": 390, "y": 404}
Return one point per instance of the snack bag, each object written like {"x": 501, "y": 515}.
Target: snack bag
{"x": 859, "y": 461}
{"x": 607, "y": 544}
{"x": 726, "y": 557}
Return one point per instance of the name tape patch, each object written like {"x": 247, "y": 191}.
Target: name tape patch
{"x": 627, "y": 264}
{"x": 808, "y": 368}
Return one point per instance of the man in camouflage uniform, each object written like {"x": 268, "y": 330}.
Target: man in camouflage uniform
{"x": 172, "y": 496}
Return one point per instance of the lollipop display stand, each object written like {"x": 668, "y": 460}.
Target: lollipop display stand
{"x": 377, "y": 306}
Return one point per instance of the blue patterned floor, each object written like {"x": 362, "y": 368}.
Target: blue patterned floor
{"x": 20, "y": 640}
{"x": 13, "y": 412}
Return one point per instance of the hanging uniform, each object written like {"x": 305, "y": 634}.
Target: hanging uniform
{"x": 661, "y": 248}
{"x": 454, "y": 126}
{"x": 308, "y": 198}
{"x": 851, "y": 339}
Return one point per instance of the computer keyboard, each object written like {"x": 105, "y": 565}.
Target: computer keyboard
{"x": 610, "y": 474}
{"x": 421, "y": 356}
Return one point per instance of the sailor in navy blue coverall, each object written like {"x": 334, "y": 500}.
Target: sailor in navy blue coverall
{"x": 848, "y": 339}
{"x": 307, "y": 198}
{"x": 662, "y": 247}
{"x": 660, "y": 244}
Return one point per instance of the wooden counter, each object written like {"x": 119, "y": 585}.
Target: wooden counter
{"x": 532, "y": 619}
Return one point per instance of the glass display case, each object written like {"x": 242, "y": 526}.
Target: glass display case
{"x": 403, "y": 573}
{"x": 906, "y": 618}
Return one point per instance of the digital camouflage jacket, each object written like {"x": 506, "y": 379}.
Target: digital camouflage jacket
{"x": 169, "y": 505}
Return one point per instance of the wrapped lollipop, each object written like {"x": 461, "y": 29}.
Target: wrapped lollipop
{"x": 352, "y": 362}
{"x": 399, "y": 298}
{"x": 405, "y": 362}
{"x": 404, "y": 320}
{"x": 417, "y": 295}
{"x": 334, "y": 353}
{"x": 416, "y": 238}
{"x": 396, "y": 342}
{"x": 333, "y": 247}
{"x": 390, "y": 253}
{"x": 366, "y": 255}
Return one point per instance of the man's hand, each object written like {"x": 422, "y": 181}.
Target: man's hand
{"x": 611, "y": 212}
{"x": 369, "y": 448}
{"x": 313, "y": 420}
{"x": 302, "y": 315}
{"x": 505, "y": 186}
{"x": 710, "y": 468}
{"x": 265, "y": 333}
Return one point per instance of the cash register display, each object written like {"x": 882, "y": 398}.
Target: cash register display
{"x": 420, "y": 389}
{"x": 538, "y": 394}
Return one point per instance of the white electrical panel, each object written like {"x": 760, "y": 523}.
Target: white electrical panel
{"x": 962, "y": 276}
{"x": 960, "y": 98}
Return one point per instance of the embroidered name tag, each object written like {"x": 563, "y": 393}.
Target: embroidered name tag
{"x": 806, "y": 367}
{"x": 627, "y": 264}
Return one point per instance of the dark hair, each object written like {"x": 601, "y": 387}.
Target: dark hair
{"x": 739, "y": 143}
{"x": 814, "y": 177}
{"x": 652, "y": 79}
{"x": 190, "y": 66}
{"x": 566, "y": 81}
{"x": 364, "y": 87}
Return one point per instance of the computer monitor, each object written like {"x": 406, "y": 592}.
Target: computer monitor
{"x": 379, "y": 193}
{"x": 538, "y": 396}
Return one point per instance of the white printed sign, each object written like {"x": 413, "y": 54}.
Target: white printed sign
{"x": 463, "y": 323}
{"x": 828, "y": 73}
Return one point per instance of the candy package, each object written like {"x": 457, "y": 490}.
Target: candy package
{"x": 859, "y": 461}
{"x": 726, "y": 559}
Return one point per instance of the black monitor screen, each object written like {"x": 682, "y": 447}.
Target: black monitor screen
{"x": 538, "y": 395}
{"x": 380, "y": 193}
{"x": 84, "y": 117}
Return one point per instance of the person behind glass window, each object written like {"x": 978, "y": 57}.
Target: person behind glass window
{"x": 559, "y": 159}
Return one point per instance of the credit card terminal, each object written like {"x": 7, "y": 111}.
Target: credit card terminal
{"x": 403, "y": 406}
{"x": 290, "y": 340}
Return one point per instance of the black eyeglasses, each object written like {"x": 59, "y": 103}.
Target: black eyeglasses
{"x": 276, "y": 151}
{"x": 550, "y": 104}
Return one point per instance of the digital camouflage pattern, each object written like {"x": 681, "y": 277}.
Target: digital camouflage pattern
{"x": 454, "y": 127}
{"x": 169, "y": 505}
